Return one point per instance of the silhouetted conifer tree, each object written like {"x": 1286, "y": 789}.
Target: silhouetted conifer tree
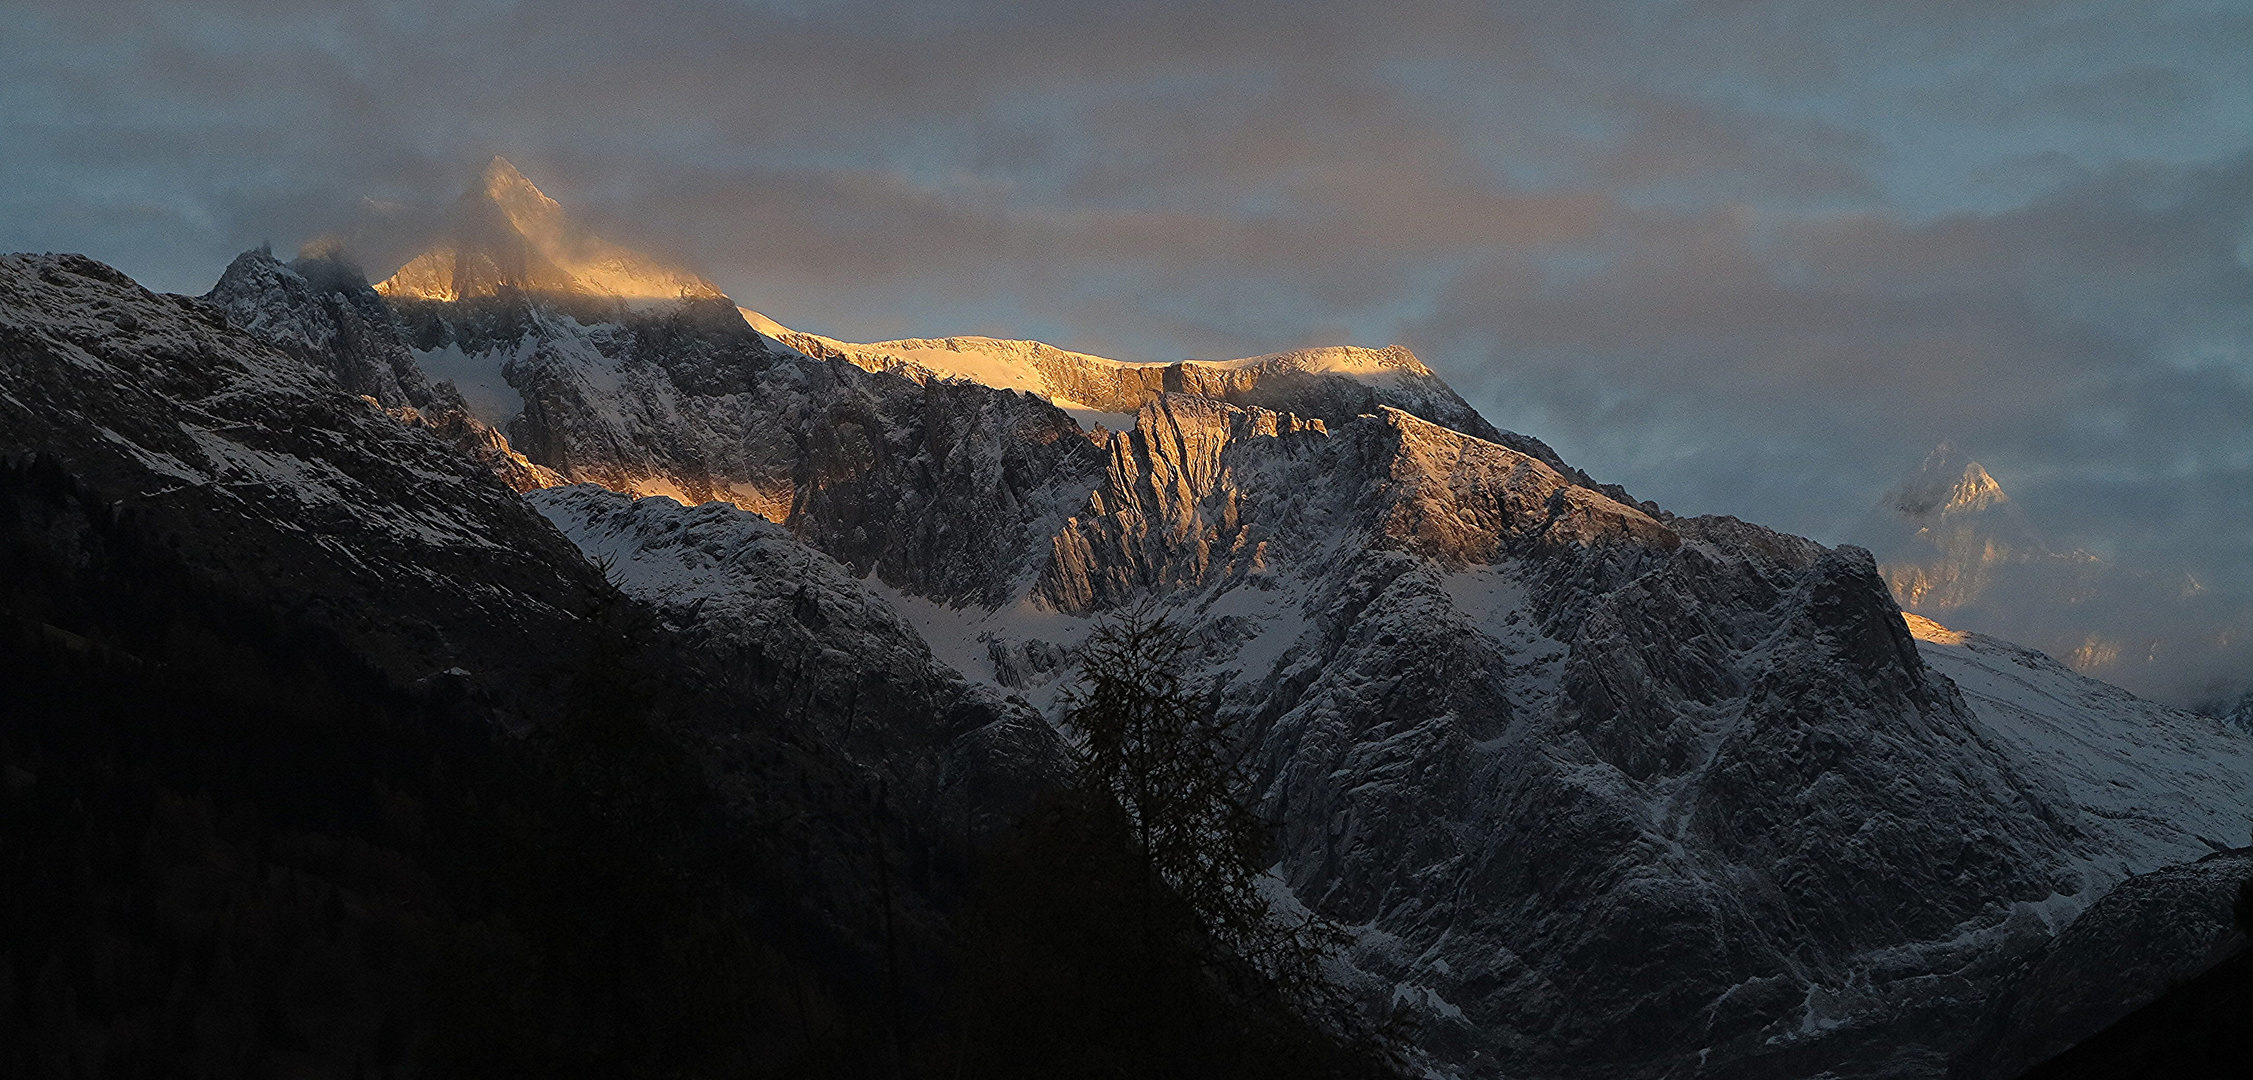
{"x": 1199, "y": 842}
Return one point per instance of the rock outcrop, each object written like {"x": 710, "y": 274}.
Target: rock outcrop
{"x": 321, "y": 310}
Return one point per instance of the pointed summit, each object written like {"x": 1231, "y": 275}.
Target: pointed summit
{"x": 523, "y": 205}
{"x": 507, "y": 235}
{"x": 1946, "y": 485}
{"x": 501, "y": 177}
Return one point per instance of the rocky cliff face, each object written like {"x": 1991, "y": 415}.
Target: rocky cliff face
{"x": 1331, "y": 384}
{"x": 320, "y": 310}
{"x": 940, "y": 488}
{"x": 1601, "y": 791}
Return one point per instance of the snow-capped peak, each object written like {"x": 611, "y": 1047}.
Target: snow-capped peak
{"x": 508, "y": 235}
{"x": 1947, "y": 485}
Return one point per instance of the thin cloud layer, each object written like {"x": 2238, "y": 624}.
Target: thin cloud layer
{"x": 1743, "y": 257}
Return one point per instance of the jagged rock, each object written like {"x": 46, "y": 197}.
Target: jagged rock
{"x": 321, "y": 310}
{"x": 1333, "y": 384}
{"x": 483, "y": 445}
{"x": 939, "y": 488}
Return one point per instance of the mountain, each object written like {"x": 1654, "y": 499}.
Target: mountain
{"x": 1600, "y": 791}
{"x": 506, "y": 236}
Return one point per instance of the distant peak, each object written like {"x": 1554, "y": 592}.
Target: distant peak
{"x": 1947, "y": 484}
{"x": 499, "y": 171}
{"x": 1975, "y": 490}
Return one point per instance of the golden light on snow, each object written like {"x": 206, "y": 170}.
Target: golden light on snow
{"x": 1924, "y": 629}
{"x": 508, "y": 235}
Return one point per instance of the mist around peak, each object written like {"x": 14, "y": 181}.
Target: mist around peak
{"x": 505, "y": 234}
{"x": 1947, "y": 484}
{"x": 1956, "y": 547}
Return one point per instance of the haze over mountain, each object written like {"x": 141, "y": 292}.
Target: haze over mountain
{"x": 506, "y": 234}
{"x": 1956, "y": 546}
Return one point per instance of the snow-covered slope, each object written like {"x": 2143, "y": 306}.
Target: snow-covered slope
{"x": 797, "y": 633}
{"x": 2158, "y": 785}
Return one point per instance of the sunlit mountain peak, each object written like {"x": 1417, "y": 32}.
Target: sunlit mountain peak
{"x": 1947, "y": 485}
{"x": 507, "y": 235}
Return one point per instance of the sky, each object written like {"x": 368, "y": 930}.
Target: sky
{"x": 1742, "y": 257}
